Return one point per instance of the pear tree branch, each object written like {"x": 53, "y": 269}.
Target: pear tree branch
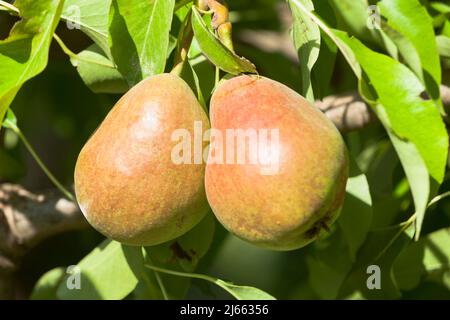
{"x": 26, "y": 219}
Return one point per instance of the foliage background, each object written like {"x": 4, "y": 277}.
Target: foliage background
{"x": 57, "y": 111}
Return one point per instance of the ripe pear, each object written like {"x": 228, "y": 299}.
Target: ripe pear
{"x": 126, "y": 183}
{"x": 294, "y": 187}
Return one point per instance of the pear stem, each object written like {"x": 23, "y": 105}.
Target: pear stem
{"x": 158, "y": 279}
{"x": 220, "y": 22}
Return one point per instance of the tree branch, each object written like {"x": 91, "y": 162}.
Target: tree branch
{"x": 26, "y": 219}
{"x": 349, "y": 112}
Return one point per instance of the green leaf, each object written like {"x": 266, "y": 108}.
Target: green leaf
{"x": 437, "y": 250}
{"x": 244, "y": 292}
{"x": 205, "y": 72}
{"x": 329, "y": 263}
{"x": 10, "y": 121}
{"x": 443, "y": 43}
{"x": 429, "y": 255}
{"x": 417, "y": 174}
{"x": 215, "y": 51}
{"x": 46, "y": 286}
{"x": 383, "y": 180}
{"x": 323, "y": 69}
{"x": 440, "y": 7}
{"x": 24, "y": 54}
{"x": 353, "y": 16}
{"x": 172, "y": 44}
{"x": 414, "y": 125}
{"x": 411, "y": 20}
{"x": 181, "y": 254}
{"x": 306, "y": 36}
{"x": 189, "y": 75}
{"x": 98, "y": 72}
{"x": 334, "y": 255}
{"x": 91, "y": 17}
{"x": 105, "y": 273}
{"x": 381, "y": 248}
{"x": 345, "y": 50}
{"x": 388, "y": 43}
{"x": 446, "y": 28}
{"x": 357, "y": 210}
{"x": 139, "y": 37}
{"x": 187, "y": 250}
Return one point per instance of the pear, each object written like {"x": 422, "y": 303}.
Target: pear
{"x": 277, "y": 167}
{"x": 127, "y": 184}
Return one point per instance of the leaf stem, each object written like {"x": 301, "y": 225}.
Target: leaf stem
{"x": 41, "y": 164}
{"x": 216, "y": 281}
{"x": 9, "y": 7}
{"x": 405, "y": 225}
{"x": 181, "y": 4}
{"x": 439, "y": 198}
{"x": 158, "y": 279}
{"x": 76, "y": 57}
{"x": 64, "y": 48}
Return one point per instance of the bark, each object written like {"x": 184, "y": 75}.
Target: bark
{"x": 26, "y": 219}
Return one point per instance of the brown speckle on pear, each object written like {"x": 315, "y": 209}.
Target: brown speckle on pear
{"x": 290, "y": 208}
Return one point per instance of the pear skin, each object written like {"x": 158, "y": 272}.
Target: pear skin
{"x": 126, "y": 182}
{"x": 295, "y": 188}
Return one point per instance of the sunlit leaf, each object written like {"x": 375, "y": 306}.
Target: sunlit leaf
{"x": 24, "y": 54}
{"x": 215, "y": 51}
{"x": 414, "y": 125}
{"x": 418, "y": 47}
{"x": 443, "y": 43}
{"x": 47, "y": 285}
{"x": 306, "y": 36}
{"x": 139, "y": 37}
{"x": 105, "y": 273}
{"x": 91, "y": 17}
{"x": 98, "y": 72}
{"x": 429, "y": 255}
